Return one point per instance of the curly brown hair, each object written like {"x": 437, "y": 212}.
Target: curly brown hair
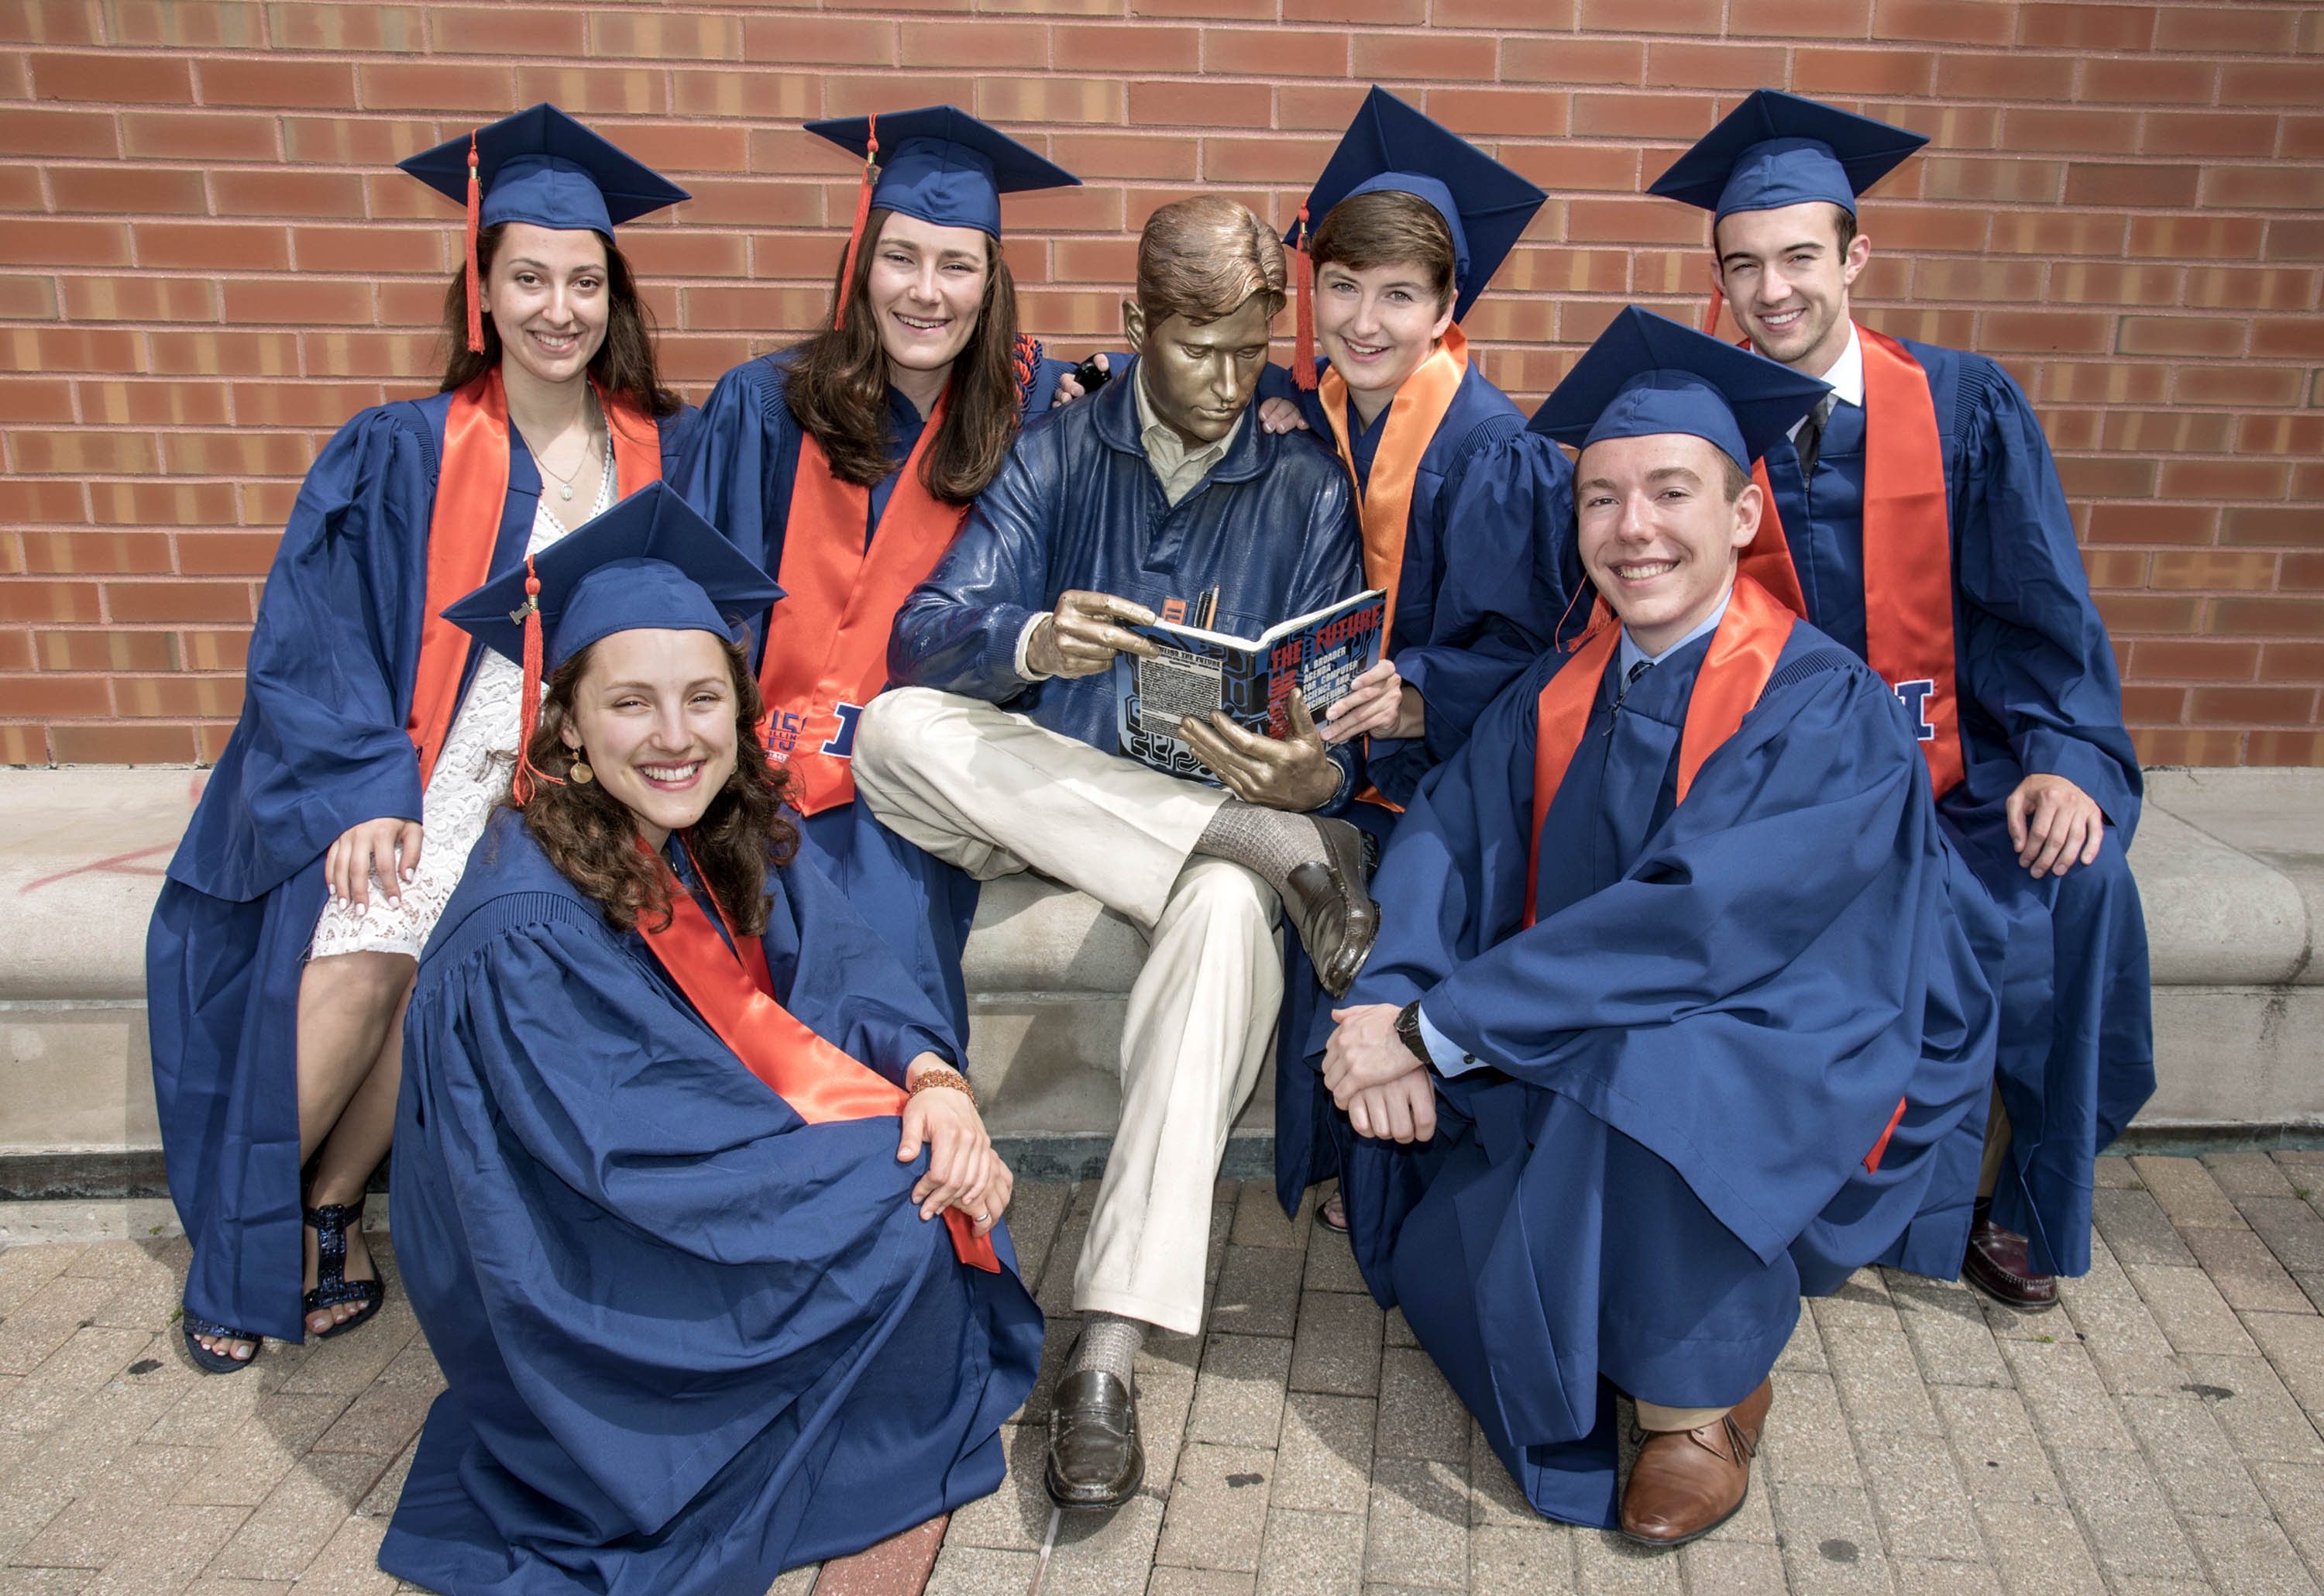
{"x": 591, "y": 837}
{"x": 838, "y": 386}
{"x": 624, "y": 362}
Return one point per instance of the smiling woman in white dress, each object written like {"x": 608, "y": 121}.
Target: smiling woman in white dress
{"x": 374, "y": 739}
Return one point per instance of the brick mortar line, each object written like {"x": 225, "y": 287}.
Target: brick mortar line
{"x": 434, "y": 53}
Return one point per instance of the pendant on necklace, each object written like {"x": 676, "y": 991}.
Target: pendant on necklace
{"x": 565, "y": 491}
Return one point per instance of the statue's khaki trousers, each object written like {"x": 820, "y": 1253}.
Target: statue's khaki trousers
{"x": 994, "y": 794}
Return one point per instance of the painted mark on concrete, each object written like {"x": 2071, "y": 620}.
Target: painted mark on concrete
{"x": 119, "y": 864}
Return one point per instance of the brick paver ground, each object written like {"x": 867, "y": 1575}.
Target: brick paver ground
{"x": 2162, "y": 1431}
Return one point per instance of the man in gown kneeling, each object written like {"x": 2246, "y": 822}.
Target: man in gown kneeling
{"x": 1159, "y": 496}
{"x": 696, "y": 1213}
{"x": 1670, "y": 1002}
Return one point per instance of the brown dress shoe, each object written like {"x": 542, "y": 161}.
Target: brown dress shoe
{"x": 1095, "y": 1460}
{"x": 1335, "y": 918}
{"x": 1686, "y": 1483}
{"x": 2000, "y": 1264}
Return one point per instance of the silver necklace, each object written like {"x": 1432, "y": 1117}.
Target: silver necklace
{"x": 588, "y": 452}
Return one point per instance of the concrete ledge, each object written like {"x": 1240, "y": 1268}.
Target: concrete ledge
{"x": 2230, "y": 864}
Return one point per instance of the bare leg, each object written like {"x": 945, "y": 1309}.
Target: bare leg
{"x": 349, "y": 1154}
{"x": 349, "y": 1005}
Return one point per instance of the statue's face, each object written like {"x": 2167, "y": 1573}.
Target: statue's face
{"x": 1200, "y": 376}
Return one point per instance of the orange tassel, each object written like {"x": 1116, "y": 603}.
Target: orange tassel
{"x": 1302, "y": 316}
{"x": 475, "y": 216}
{"x": 1711, "y": 313}
{"x": 862, "y": 214}
{"x": 522, "y": 788}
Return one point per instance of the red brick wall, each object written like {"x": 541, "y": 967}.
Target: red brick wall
{"x": 206, "y": 262}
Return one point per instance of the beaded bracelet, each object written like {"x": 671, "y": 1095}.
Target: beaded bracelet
{"x": 942, "y": 1077}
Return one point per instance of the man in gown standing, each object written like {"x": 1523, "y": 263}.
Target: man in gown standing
{"x": 1670, "y": 1008}
{"x": 1917, "y": 519}
{"x": 997, "y": 753}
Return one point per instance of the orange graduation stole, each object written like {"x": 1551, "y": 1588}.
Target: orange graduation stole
{"x": 1743, "y": 648}
{"x": 471, "y": 493}
{"x": 1908, "y": 567}
{"x": 827, "y": 639}
{"x": 1414, "y": 416}
{"x": 734, "y": 992}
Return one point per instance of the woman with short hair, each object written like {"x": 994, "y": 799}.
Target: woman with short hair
{"x": 1468, "y": 517}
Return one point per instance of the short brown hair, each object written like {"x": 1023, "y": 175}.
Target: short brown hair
{"x": 1388, "y": 228}
{"x": 1201, "y": 258}
{"x": 1843, "y": 225}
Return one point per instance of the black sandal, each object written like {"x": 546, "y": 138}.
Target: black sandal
{"x": 332, "y": 1287}
{"x": 210, "y": 1363}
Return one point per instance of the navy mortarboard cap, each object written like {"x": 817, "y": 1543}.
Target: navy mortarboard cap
{"x": 1391, "y": 146}
{"x": 648, "y": 563}
{"x": 942, "y": 165}
{"x": 1776, "y": 149}
{"x": 937, "y": 163}
{"x": 1647, "y": 374}
{"x": 542, "y": 167}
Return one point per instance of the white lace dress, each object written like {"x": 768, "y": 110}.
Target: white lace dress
{"x": 471, "y": 775}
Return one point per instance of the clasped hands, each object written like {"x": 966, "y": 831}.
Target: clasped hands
{"x": 1375, "y": 1078}
{"x": 1082, "y": 635}
{"x": 964, "y": 1171}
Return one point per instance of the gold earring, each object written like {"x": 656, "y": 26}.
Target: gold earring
{"x": 582, "y": 774}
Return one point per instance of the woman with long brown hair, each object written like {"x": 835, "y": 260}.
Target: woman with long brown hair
{"x": 695, "y": 1207}
{"x": 847, "y": 465}
{"x": 374, "y": 738}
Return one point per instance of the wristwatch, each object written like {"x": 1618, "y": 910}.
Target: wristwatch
{"x": 1407, "y": 1028}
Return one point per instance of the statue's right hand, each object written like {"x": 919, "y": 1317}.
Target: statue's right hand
{"x": 1081, "y": 636}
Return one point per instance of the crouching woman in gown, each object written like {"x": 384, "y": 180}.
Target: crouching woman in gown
{"x": 694, "y": 1208}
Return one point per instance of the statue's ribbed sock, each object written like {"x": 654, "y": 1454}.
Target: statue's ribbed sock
{"x": 1109, "y": 1342}
{"x": 1270, "y": 842}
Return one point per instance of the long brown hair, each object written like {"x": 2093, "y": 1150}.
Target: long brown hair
{"x": 591, "y": 837}
{"x": 624, "y": 362}
{"x": 838, "y": 386}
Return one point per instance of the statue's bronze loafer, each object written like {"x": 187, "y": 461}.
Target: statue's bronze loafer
{"x": 1331, "y": 909}
{"x": 1095, "y": 1457}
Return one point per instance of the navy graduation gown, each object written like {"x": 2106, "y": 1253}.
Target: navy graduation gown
{"x": 737, "y": 473}
{"x": 2038, "y": 694}
{"x": 688, "y": 1339}
{"x": 321, "y": 746}
{"x": 1686, "y": 1059}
